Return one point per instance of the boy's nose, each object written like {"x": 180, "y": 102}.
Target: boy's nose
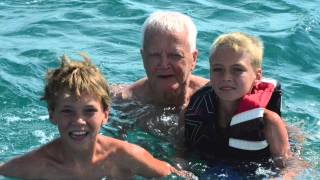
{"x": 227, "y": 76}
{"x": 79, "y": 120}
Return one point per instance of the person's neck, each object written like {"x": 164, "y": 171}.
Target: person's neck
{"x": 229, "y": 107}
{"x": 76, "y": 157}
{"x": 226, "y": 111}
{"x": 175, "y": 99}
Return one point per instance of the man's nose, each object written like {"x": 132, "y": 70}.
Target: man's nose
{"x": 164, "y": 61}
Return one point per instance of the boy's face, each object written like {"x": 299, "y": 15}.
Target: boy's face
{"x": 232, "y": 74}
{"x": 78, "y": 120}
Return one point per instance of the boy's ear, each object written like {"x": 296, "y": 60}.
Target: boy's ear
{"x": 259, "y": 74}
{"x": 143, "y": 57}
{"x": 106, "y": 116}
{"x": 142, "y": 53}
{"x": 52, "y": 120}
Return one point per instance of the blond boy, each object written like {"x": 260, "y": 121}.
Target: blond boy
{"x": 78, "y": 104}
{"x": 238, "y": 115}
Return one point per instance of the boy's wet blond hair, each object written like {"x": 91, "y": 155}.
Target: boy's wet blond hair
{"x": 240, "y": 42}
{"x": 76, "y": 78}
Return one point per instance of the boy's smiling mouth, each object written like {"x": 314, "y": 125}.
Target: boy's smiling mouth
{"x": 227, "y": 88}
{"x": 78, "y": 134}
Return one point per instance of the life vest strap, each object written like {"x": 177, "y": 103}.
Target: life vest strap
{"x": 247, "y": 116}
{"x": 247, "y": 145}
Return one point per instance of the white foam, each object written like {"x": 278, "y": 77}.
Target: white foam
{"x": 3, "y": 149}
{"x": 43, "y": 137}
{"x": 44, "y": 117}
{"x": 13, "y": 119}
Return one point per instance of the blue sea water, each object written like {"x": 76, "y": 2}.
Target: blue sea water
{"x": 34, "y": 33}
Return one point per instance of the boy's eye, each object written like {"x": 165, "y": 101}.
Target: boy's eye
{"x": 216, "y": 69}
{"x": 67, "y": 111}
{"x": 90, "y": 111}
{"x": 238, "y": 70}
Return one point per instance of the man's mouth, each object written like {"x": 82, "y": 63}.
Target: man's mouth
{"x": 164, "y": 76}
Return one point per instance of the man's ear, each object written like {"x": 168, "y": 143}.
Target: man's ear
{"x": 194, "y": 59}
{"x": 259, "y": 74}
{"x": 51, "y": 118}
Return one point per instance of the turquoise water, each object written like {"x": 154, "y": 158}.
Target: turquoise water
{"x": 34, "y": 33}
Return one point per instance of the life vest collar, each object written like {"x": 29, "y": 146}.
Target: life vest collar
{"x": 251, "y": 108}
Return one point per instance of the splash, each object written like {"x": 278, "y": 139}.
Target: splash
{"x": 307, "y": 23}
{"x": 42, "y": 136}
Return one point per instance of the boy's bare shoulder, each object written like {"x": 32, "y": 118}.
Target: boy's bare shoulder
{"x": 44, "y": 155}
{"x": 119, "y": 146}
{"x": 31, "y": 165}
{"x": 272, "y": 118}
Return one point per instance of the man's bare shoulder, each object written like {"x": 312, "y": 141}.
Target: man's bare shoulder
{"x": 137, "y": 90}
{"x": 197, "y": 82}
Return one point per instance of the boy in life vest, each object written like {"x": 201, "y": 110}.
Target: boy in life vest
{"x": 78, "y": 104}
{"x": 234, "y": 118}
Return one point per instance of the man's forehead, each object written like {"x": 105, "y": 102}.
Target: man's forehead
{"x": 167, "y": 40}
{"x": 165, "y": 33}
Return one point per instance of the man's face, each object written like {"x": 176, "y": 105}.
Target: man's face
{"x": 168, "y": 60}
{"x": 232, "y": 74}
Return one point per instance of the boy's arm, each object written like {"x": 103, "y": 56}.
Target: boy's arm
{"x": 25, "y": 167}
{"x": 141, "y": 162}
{"x": 12, "y": 168}
{"x": 277, "y": 136}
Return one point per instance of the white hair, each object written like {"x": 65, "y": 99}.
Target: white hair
{"x": 166, "y": 21}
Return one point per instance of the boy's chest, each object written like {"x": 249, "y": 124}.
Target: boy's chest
{"x": 63, "y": 172}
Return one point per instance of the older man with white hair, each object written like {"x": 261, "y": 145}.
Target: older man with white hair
{"x": 169, "y": 56}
